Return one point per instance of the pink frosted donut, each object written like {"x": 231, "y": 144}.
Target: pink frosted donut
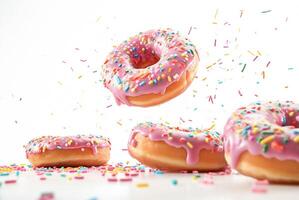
{"x": 68, "y": 151}
{"x": 150, "y": 68}
{"x": 262, "y": 141}
{"x": 175, "y": 149}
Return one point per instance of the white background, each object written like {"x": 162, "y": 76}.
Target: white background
{"x": 51, "y": 53}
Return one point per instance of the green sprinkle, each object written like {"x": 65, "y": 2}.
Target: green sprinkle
{"x": 285, "y": 140}
{"x": 267, "y": 133}
{"x": 174, "y": 182}
{"x": 265, "y": 148}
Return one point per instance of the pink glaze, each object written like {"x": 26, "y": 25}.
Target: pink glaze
{"x": 148, "y": 63}
{"x": 41, "y": 144}
{"x": 192, "y": 140}
{"x": 269, "y": 129}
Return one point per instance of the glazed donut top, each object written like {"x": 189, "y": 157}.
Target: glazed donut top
{"x": 192, "y": 140}
{"x": 41, "y": 144}
{"x": 147, "y": 63}
{"x": 270, "y": 129}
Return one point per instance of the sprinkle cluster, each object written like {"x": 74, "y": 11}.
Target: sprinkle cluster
{"x": 272, "y": 125}
{"x": 189, "y": 136}
{"x": 41, "y": 144}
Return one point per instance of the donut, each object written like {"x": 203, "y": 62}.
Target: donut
{"x": 150, "y": 68}
{"x": 261, "y": 140}
{"x": 176, "y": 149}
{"x": 68, "y": 151}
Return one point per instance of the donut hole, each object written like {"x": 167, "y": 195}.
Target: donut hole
{"x": 143, "y": 57}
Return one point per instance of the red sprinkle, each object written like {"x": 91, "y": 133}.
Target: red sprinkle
{"x": 125, "y": 179}
{"x": 79, "y": 177}
{"x": 10, "y": 181}
{"x": 112, "y": 179}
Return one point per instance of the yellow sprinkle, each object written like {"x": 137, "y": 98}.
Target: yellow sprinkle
{"x": 296, "y": 139}
{"x": 255, "y": 130}
{"x": 169, "y": 69}
{"x": 163, "y": 76}
{"x": 169, "y": 79}
{"x": 269, "y": 139}
{"x": 189, "y": 145}
{"x": 209, "y": 66}
{"x": 150, "y": 82}
{"x": 142, "y": 185}
{"x": 158, "y": 78}
{"x": 251, "y": 53}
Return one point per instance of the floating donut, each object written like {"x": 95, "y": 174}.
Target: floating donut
{"x": 150, "y": 68}
{"x": 262, "y": 141}
{"x": 176, "y": 149}
{"x": 69, "y": 151}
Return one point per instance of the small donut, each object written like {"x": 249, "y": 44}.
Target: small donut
{"x": 175, "y": 149}
{"x": 150, "y": 68}
{"x": 261, "y": 140}
{"x": 68, "y": 151}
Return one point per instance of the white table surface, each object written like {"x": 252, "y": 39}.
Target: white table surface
{"x": 95, "y": 186}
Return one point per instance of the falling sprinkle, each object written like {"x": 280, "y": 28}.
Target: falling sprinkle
{"x": 263, "y": 74}
{"x": 241, "y": 13}
{"x": 211, "y": 99}
{"x": 190, "y": 30}
{"x": 108, "y": 106}
{"x": 215, "y": 43}
{"x": 255, "y": 58}
{"x": 268, "y": 64}
{"x": 266, "y": 11}
{"x": 244, "y": 66}
{"x": 240, "y": 93}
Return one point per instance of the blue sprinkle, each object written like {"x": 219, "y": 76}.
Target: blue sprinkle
{"x": 142, "y": 83}
{"x": 174, "y": 182}
{"x": 117, "y": 79}
{"x": 17, "y": 173}
{"x": 120, "y": 65}
{"x": 4, "y": 174}
{"x": 127, "y": 88}
{"x": 155, "y": 81}
{"x": 158, "y": 172}
{"x": 283, "y": 120}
